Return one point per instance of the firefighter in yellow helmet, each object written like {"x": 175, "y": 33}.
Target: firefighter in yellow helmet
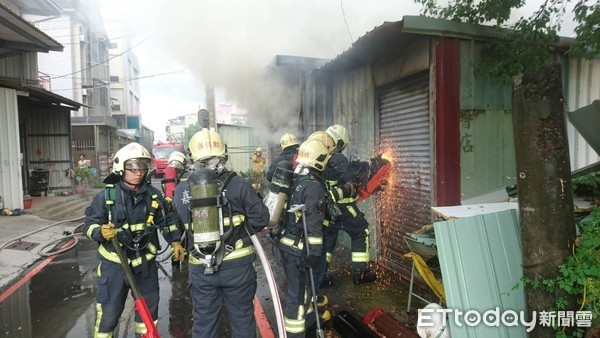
{"x": 221, "y": 265}
{"x": 309, "y": 191}
{"x": 289, "y": 152}
{"x": 342, "y": 190}
{"x": 258, "y": 160}
{"x": 132, "y": 210}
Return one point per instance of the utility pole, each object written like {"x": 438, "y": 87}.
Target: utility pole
{"x": 210, "y": 106}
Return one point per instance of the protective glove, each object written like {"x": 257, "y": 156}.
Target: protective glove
{"x": 108, "y": 231}
{"x": 178, "y": 252}
{"x": 349, "y": 189}
{"x": 312, "y": 261}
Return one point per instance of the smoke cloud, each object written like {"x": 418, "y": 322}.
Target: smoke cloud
{"x": 229, "y": 44}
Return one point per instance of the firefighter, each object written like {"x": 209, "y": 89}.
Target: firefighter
{"x": 343, "y": 191}
{"x": 175, "y": 172}
{"x": 309, "y": 190}
{"x": 221, "y": 272}
{"x": 131, "y": 210}
{"x": 289, "y": 152}
{"x": 258, "y": 161}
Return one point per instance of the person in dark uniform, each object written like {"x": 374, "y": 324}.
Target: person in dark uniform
{"x": 131, "y": 210}
{"x": 343, "y": 191}
{"x": 225, "y": 276}
{"x": 308, "y": 190}
{"x": 289, "y": 152}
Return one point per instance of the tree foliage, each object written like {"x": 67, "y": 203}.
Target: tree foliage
{"x": 529, "y": 43}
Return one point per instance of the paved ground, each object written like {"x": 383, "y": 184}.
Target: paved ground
{"x": 50, "y": 218}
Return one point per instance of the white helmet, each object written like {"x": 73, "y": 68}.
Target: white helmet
{"x": 314, "y": 154}
{"x": 177, "y": 160}
{"x": 287, "y": 139}
{"x": 324, "y": 138}
{"x": 340, "y": 136}
{"x": 133, "y": 155}
{"x": 206, "y": 144}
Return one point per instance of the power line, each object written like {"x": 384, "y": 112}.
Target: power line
{"x": 346, "y": 22}
{"x": 105, "y": 61}
{"x": 131, "y": 79}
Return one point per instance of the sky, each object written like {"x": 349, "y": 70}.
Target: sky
{"x": 183, "y": 44}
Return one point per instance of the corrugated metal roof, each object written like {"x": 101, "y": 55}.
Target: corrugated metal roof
{"x": 391, "y": 37}
{"x": 17, "y": 33}
{"x": 480, "y": 259}
{"x": 42, "y": 95}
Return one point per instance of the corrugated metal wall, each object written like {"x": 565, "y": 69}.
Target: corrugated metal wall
{"x": 404, "y": 125}
{"x": 241, "y": 143}
{"x": 584, "y": 87}
{"x": 15, "y": 67}
{"x": 486, "y": 142}
{"x": 48, "y": 146}
{"x": 486, "y": 130}
{"x": 11, "y": 182}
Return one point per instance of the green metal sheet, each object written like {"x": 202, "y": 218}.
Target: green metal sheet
{"x": 486, "y": 142}
{"x": 480, "y": 259}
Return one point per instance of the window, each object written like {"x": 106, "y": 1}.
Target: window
{"x": 114, "y": 79}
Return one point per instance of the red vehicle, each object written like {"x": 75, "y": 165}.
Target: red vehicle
{"x": 160, "y": 155}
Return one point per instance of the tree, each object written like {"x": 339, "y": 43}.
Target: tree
{"x": 522, "y": 52}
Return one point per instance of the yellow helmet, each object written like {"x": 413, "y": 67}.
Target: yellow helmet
{"x": 314, "y": 154}
{"x": 206, "y": 144}
{"x": 133, "y": 154}
{"x": 258, "y": 150}
{"x": 287, "y": 139}
{"x": 324, "y": 138}
{"x": 340, "y": 136}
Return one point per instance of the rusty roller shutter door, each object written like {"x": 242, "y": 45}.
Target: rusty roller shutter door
{"x": 404, "y": 126}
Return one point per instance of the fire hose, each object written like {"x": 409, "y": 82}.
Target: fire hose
{"x": 140, "y": 302}
{"x": 270, "y": 279}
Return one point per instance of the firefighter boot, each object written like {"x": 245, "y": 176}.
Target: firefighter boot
{"x": 322, "y": 300}
{"x": 363, "y": 276}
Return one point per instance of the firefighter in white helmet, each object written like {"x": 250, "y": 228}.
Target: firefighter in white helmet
{"x": 222, "y": 266}
{"x": 289, "y": 152}
{"x": 308, "y": 190}
{"x": 132, "y": 210}
{"x": 342, "y": 189}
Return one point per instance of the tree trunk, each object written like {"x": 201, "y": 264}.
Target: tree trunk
{"x": 544, "y": 184}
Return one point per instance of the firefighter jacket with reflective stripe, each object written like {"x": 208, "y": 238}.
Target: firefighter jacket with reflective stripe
{"x": 129, "y": 214}
{"x": 338, "y": 173}
{"x": 246, "y": 206}
{"x": 288, "y": 154}
{"x": 311, "y": 193}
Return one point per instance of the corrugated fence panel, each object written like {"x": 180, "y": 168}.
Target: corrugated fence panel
{"x": 11, "y": 184}
{"x": 404, "y": 127}
{"x": 480, "y": 259}
{"x": 584, "y": 87}
{"x": 241, "y": 143}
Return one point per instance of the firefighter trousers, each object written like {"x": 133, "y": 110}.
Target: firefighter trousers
{"x": 232, "y": 286}
{"x": 298, "y": 311}
{"x": 354, "y": 223}
{"x": 112, "y": 294}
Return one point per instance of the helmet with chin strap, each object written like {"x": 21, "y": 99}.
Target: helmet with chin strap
{"x": 131, "y": 156}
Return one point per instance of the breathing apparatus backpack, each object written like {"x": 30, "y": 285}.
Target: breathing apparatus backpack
{"x": 210, "y": 239}
{"x": 279, "y": 189}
